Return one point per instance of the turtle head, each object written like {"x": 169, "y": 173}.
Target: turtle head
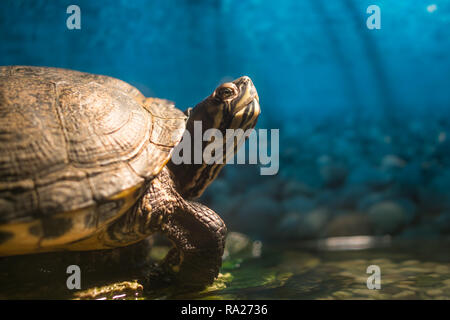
{"x": 232, "y": 105}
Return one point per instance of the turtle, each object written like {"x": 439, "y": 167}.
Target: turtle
{"x": 85, "y": 164}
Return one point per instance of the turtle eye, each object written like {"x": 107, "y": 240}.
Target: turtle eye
{"x": 226, "y": 91}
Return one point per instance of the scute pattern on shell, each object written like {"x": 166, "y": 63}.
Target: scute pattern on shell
{"x": 70, "y": 140}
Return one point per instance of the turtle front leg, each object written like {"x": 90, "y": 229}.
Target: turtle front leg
{"x": 197, "y": 232}
{"x": 198, "y": 235}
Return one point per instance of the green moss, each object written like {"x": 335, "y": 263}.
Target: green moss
{"x": 120, "y": 290}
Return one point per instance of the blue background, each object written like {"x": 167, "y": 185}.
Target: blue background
{"x": 302, "y": 55}
{"x": 347, "y": 100}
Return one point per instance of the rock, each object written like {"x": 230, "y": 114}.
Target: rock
{"x": 345, "y": 148}
{"x": 442, "y": 223}
{"x": 303, "y": 226}
{"x": 435, "y": 196}
{"x": 406, "y": 294}
{"x": 342, "y": 199}
{"x": 333, "y": 175}
{"x": 387, "y": 217}
{"x": 369, "y": 176}
{"x": 434, "y": 292}
{"x": 219, "y": 188}
{"x": 294, "y": 188}
{"x": 256, "y": 216}
{"x": 325, "y": 198}
{"x": 236, "y": 242}
{"x": 369, "y": 200}
{"x": 225, "y": 205}
{"x": 347, "y": 198}
{"x": 272, "y": 188}
{"x": 287, "y": 228}
{"x": 238, "y": 177}
{"x": 299, "y": 204}
{"x": 441, "y": 153}
{"x": 352, "y": 224}
{"x": 306, "y": 172}
{"x": 407, "y": 179}
{"x": 324, "y": 160}
{"x": 343, "y": 294}
{"x": 421, "y": 231}
{"x": 409, "y": 207}
{"x": 442, "y": 269}
{"x": 411, "y": 174}
{"x": 442, "y": 137}
{"x": 392, "y": 161}
{"x": 223, "y": 201}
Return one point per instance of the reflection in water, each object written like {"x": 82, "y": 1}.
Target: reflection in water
{"x": 353, "y": 243}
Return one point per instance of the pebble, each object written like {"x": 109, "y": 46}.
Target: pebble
{"x": 392, "y": 161}
{"x": 404, "y": 286}
{"x": 300, "y": 204}
{"x": 370, "y": 176}
{"x": 333, "y": 175}
{"x": 442, "y": 269}
{"x": 410, "y": 262}
{"x": 342, "y": 294}
{"x": 236, "y": 242}
{"x": 351, "y": 224}
{"x": 387, "y": 217}
{"x": 442, "y": 223}
{"x": 303, "y": 225}
{"x": 407, "y": 294}
{"x": 434, "y": 292}
{"x": 370, "y": 181}
{"x": 380, "y": 261}
{"x": 257, "y": 217}
{"x": 294, "y": 188}
{"x": 414, "y": 270}
{"x": 364, "y": 292}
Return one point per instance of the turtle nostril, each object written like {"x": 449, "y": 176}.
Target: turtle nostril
{"x": 244, "y": 80}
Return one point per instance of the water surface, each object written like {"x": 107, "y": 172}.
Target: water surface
{"x": 255, "y": 270}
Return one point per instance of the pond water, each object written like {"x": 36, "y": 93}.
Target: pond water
{"x": 255, "y": 270}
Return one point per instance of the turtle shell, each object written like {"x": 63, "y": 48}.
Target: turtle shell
{"x": 71, "y": 140}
